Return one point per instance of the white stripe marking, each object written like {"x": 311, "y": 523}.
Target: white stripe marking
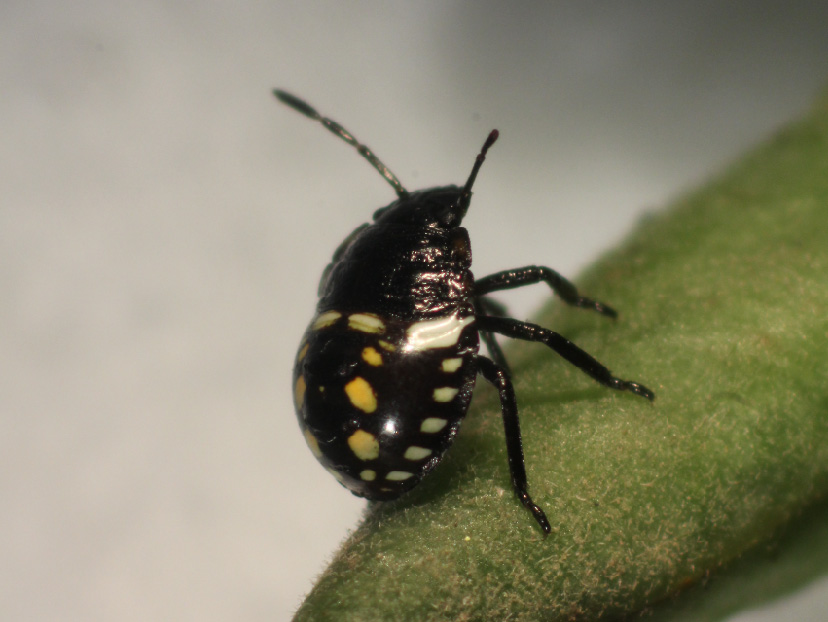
{"x": 442, "y": 332}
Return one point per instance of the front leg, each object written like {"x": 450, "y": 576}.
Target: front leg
{"x": 509, "y": 279}
{"x": 568, "y": 350}
{"x": 514, "y": 446}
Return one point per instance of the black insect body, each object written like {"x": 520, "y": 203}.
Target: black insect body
{"x": 386, "y": 369}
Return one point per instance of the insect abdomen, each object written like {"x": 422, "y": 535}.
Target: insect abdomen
{"x": 380, "y": 400}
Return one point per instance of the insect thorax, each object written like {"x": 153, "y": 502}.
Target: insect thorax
{"x": 403, "y": 271}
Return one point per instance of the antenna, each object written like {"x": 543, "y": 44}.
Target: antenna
{"x": 478, "y": 162}
{"x": 309, "y": 111}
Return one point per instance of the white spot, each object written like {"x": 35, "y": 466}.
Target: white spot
{"x": 416, "y": 453}
{"x": 325, "y": 319}
{"x": 451, "y": 365}
{"x": 442, "y": 332}
{"x": 432, "y": 425}
{"x": 368, "y": 475}
{"x": 366, "y": 322}
{"x": 445, "y": 394}
{"x": 398, "y": 476}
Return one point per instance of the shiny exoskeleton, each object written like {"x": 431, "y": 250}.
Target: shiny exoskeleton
{"x": 386, "y": 369}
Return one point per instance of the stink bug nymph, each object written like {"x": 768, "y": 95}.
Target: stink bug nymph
{"x": 386, "y": 369}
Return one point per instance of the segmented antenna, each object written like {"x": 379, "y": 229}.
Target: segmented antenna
{"x": 478, "y": 161}
{"x": 310, "y": 112}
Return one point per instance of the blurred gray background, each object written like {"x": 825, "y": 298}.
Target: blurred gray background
{"x": 163, "y": 224}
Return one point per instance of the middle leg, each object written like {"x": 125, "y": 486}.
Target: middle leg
{"x": 568, "y": 350}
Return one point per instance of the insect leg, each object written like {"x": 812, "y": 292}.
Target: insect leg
{"x": 509, "y": 279}
{"x": 514, "y": 447}
{"x": 568, "y": 350}
{"x": 487, "y": 306}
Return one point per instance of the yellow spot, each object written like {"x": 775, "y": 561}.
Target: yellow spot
{"x": 371, "y": 356}
{"x": 313, "y": 444}
{"x": 467, "y": 539}
{"x": 398, "y": 476}
{"x": 388, "y": 347}
{"x": 368, "y": 475}
{"x": 416, "y": 453}
{"x": 299, "y": 392}
{"x": 451, "y": 365}
{"x": 445, "y": 394}
{"x": 326, "y": 319}
{"x": 364, "y": 445}
{"x": 362, "y": 394}
{"x": 366, "y": 322}
{"x": 302, "y": 352}
{"x": 432, "y": 425}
